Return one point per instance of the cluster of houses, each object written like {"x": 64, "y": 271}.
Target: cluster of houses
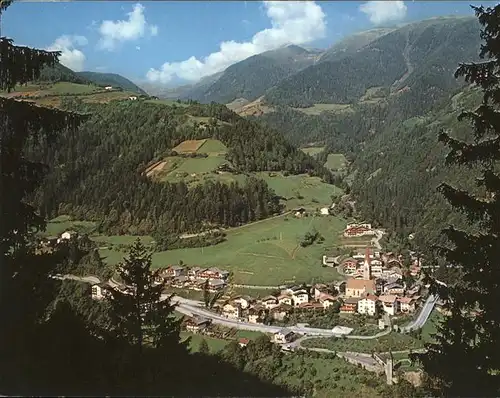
{"x": 198, "y": 324}
{"x": 376, "y": 284}
{"x": 356, "y": 230}
{"x": 193, "y": 278}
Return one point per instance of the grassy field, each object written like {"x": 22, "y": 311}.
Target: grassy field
{"x": 257, "y": 255}
{"x": 60, "y": 224}
{"x": 392, "y": 341}
{"x": 265, "y": 253}
{"x": 313, "y": 150}
{"x": 59, "y": 88}
{"x": 213, "y": 344}
{"x": 314, "y": 192}
{"x": 335, "y": 161}
{"x": 317, "y": 109}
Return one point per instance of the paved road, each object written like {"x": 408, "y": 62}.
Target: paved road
{"x": 424, "y": 314}
{"x": 195, "y": 307}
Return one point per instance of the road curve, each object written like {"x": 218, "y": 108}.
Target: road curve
{"x": 194, "y": 307}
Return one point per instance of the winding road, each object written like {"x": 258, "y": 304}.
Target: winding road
{"x": 194, "y": 307}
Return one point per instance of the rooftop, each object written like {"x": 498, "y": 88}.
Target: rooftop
{"x": 360, "y": 284}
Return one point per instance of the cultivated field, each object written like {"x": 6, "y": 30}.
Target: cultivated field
{"x": 336, "y": 161}
{"x": 189, "y": 146}
{"x": 267, "y": 252}
{"x": 313, "y": 150}
{"x": 318, "y": 109}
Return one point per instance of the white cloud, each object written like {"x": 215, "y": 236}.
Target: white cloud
{"x": 71, "y": 57}
{"x": 114, "y": 32}
{"x": 291, "y": 23}
{"x": 380, "y": 12}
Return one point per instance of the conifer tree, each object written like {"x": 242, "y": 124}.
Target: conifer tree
{"x": 142, "y": 316}
{"x": 25, "y": 289}
{"x": 465, "y": 358}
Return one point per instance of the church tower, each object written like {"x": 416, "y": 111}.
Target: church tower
{"x": 367, "y": 266}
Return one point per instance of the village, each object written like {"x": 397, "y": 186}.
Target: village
{"x": 376, "y": 286}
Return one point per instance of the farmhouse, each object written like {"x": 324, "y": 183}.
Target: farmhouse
{"x": 325, "y": 211}
{"x": 283, "y": 336}
{"x": 196, "y": 324}
{"x": 193, "y": 272}
{"x": 279, "y": 313}
{"x": 256, "y": 314}
{"x": 231, "y": 310}
{"x": 180, "y": 281}
{"x": 66, "y": 236}
{"x": 285, "y": 299}
{"x": 359, "y": 287}
{"x": 326, "y": 300}
{"x": 270, "y": 302}
{"x": 394, "y": 288}
{"x": 216, "y": 284}
{"x": 390, "y": 304}
{"x": 350, "y": 306}
{"x": 108, "y": 88}
{"x": 300, "y": 297}
{"x": 299, "y": 212}
{"x": 368, "y": 305}
{"x": 174, "y": 271}
{"x": 132, "y": 98}
{"x": 243, "y": 301}
{"x": 349, "y": 266}
{"x": 100, "y": 291}
{"x": 318, "y": 290}
{"x": 407, "y": 304}
{"x": 243, "y": 341}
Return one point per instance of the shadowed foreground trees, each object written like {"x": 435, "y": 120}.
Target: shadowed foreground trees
{"x": 48, "y": 344}
{"x": 465, "y": 359}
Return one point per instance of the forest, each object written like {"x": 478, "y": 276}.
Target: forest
{"x": 97, "y": 172}
{"x": 423, "y": 49}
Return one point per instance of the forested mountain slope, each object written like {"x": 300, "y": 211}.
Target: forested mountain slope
{"x": 111, "y": 79}
{"x": 351, "y": 44}
{"x": 60, "y": 73}
{"x": 398, "y": 171}
{"x": 416, "y": 56}
{"x": 251, "y": 77}
{"x": 102, "y": 172}
{"x": 403, "y": 74}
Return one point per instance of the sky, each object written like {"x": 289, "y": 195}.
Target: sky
{"x": 176, "y": 42}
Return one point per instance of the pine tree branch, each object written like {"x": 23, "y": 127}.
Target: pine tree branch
{"x": 472, "y": 207}
{"x": 33, "y": 61}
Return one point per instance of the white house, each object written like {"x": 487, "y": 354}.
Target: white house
{"x": 325, "y": 211}
{"x": 407, "y": 304}
{"x": 132, "y": 98}
{"x": 66, "y": 236}
{"x": 100, "y": 291}
{"x": 326, "y": 300}
{"x": 283, "y": 336}
{"x": 108, "y": 88}
{"x": 300, "y": 297}
{"x": 270, "y": 302}
{"x": 285, "y": 299}
{"x": 243, "y": 301}
{"x": 368, "y": 305}
{"x": 390, "y": 304}
{"x": 231, "y": 310}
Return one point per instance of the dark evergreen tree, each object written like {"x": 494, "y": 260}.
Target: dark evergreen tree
{"x": 465, "y": 359}
{"x": 142, "y": 317}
